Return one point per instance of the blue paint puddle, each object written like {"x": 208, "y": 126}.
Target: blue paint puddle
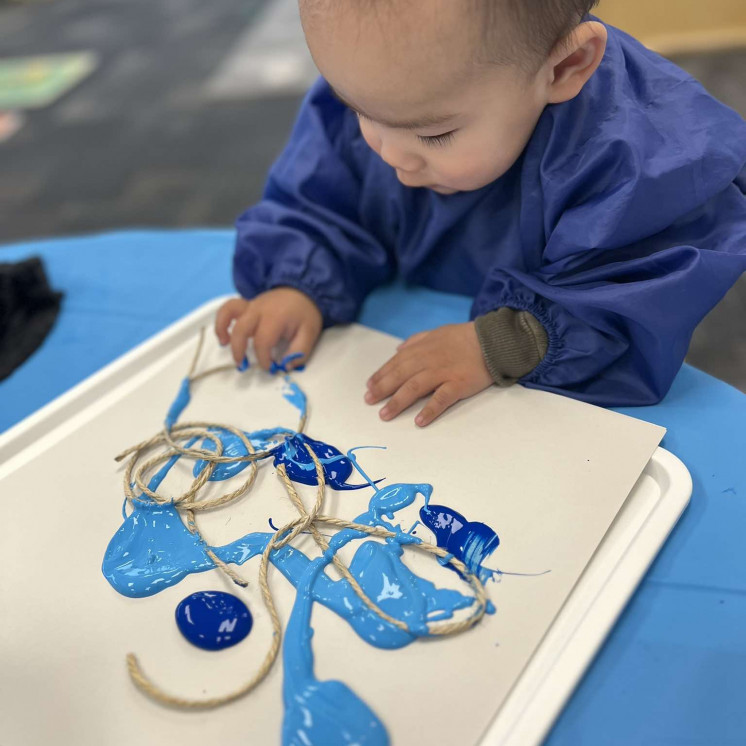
{"x": 152, "y": 550}
{"x": 213, "y": 620}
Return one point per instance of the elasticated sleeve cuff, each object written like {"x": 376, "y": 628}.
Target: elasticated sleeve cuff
{"x": 513, "y": 343}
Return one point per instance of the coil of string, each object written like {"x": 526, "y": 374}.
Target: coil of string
{"x": 189, "y": 503}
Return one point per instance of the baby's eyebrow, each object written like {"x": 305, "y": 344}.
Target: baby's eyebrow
{"x": 406, "y": 124}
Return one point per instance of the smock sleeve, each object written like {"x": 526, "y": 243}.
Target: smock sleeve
{"x": 644, "y": 237}
{"x": 306, "y": 231}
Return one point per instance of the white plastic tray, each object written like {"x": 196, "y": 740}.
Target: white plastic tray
{"x": 640, "y": 529}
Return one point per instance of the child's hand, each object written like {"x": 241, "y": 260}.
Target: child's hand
{"x": 279, "y": 315}
{"x": 447, "y": 361}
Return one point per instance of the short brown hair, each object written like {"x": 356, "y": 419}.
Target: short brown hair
{"x": 535, "y": 27}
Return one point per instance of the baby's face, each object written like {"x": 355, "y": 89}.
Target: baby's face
{"x": 432, "y": 113}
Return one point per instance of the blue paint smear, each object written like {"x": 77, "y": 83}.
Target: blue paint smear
{"x": 326, "y": 713}
{"x": 282, "y": 366}
{"x": 213, "y": 620}
{"x": 294, "y": 394}
{"x": 179, "y": 404}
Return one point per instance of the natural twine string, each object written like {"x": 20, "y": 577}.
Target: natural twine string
{"x": 307, "y": 520}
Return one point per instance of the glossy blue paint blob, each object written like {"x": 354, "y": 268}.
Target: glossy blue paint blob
{"x": 470, "y": 541}
{"x": 213, "y": 620}
{"x": 300, "y": 467}
{"x": 153, "y": 549}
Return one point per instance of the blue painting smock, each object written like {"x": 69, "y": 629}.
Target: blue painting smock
{"x": 620, "y": 226}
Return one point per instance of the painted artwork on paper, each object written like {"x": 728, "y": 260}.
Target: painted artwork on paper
{"x": 386, "y": 603}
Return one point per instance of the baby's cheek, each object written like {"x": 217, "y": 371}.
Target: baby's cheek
{"x": 466, "y": 173}
{"x": 482, "y": 166}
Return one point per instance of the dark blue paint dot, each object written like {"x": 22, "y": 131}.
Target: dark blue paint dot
{"x": 213, "y": 620}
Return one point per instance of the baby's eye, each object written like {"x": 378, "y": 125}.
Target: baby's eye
{"x": 441, "y": 140}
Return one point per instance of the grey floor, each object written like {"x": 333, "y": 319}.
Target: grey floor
{"x": 141, "y": 143}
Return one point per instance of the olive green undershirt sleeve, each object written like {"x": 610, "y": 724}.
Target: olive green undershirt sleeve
{"x": 513, "y": 343}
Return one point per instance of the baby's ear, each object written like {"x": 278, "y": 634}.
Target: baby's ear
{"x": 574, "y": 59}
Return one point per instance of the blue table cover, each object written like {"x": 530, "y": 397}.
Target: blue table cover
{"x": 673, "y": 669}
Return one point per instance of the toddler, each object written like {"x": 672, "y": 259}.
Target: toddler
{"x": 588, "y": 194}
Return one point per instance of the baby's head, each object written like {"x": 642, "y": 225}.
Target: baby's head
{"x": 448, "y": 92}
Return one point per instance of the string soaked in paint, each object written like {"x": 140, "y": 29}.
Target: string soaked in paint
{"x": 307, "y": 521}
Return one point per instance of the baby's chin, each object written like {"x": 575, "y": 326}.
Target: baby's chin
{"x": 444, "y": 190}
{"x": 471, "y": 185}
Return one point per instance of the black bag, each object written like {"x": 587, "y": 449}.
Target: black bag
{"x": 28, "y": 310}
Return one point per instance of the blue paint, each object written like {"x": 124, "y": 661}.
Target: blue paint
{"x": 282, "y": 366}
{"x": 294, "y": 394}
{"x": 153, "y": 550}
{"x": 213, "y": 620}
{"x": 179, "y": 404}
{"x": 326, "y": 713}
{"x": 471, "y": 542}
{"x": 233, "y": 446}
{"x": 243, "y": 365}
{"x": 300, "y": 467}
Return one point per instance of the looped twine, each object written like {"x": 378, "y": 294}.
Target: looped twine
{"x": 307, "y": 521}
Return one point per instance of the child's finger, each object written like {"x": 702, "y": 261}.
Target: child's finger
{"x": 267, "y": 335}
{"x": 446, "y": 395}
{"x": 408, "y": 393}
{"x": 302, "y": 342}
{"x": 230, "y": 310}
{"x": 243, "y": 330}
{"x": 392, "y": 375}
